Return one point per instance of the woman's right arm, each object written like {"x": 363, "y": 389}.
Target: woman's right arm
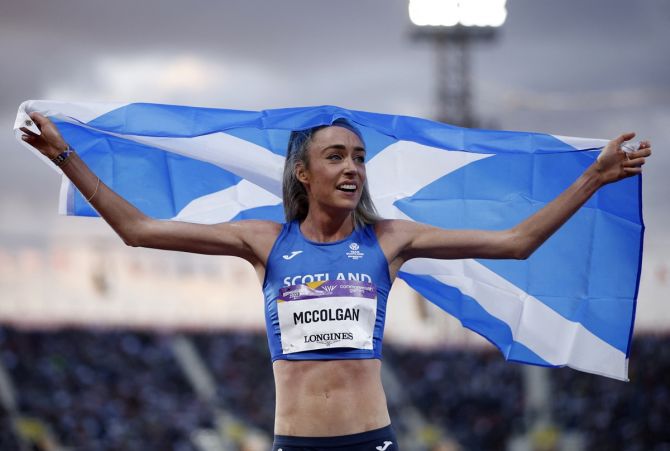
{"x": 251, "y": 240}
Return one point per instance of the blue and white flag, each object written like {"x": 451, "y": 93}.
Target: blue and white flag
{"x": 571, "y": 303}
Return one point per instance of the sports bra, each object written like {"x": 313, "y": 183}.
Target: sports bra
{"x": 325, "y": 301}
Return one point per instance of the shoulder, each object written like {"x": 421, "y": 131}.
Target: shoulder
{"x": 258, "y": 236}
{"x": 256, "y": 226}
{"x": 248, "y": 229}
{"x": 256, "y": 231}
{"x": 394, "y": 236}
{"x": 396, "y": 228}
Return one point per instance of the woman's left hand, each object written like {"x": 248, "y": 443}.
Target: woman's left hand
{"x": 613, "y": 164}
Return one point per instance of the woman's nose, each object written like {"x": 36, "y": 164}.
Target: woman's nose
{"x": 350, "y": 166}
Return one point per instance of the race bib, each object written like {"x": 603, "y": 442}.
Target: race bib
{"x": 328, "y": 314}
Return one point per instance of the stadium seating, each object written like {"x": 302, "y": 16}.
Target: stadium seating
{"x": 124, "y": 390}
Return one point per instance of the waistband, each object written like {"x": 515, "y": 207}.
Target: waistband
{"x": 340, "y": 440}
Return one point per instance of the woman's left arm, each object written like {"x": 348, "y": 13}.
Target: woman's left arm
{"x": 611, "y": 166}
{"x": 419, "y": 240}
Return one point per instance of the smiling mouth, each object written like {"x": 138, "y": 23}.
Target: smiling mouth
{"x": 347, "y": 187}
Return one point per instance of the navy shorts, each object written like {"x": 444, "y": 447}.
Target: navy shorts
{"x": 376, "y": 440}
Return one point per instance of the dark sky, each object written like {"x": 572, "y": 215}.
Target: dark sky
{"x": 575, "y": 68}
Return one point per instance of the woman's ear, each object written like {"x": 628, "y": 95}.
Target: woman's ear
{"x": 301, "y": 172}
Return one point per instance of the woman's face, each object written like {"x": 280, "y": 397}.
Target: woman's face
{"x": 335, "y": 175}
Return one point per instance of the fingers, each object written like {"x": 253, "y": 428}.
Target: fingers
{"x": 30, "y": 138}
{"x": 632, "y": 171}
{"x": 633, "y": 157}
{"x": 39, "y": 119}
{"x": 642, "y": 152}
{"x": 28, "y": 132}
{"x": 645, "y": 152}
{"x": 624, "y": 137}
{"x": 634, "y": 162}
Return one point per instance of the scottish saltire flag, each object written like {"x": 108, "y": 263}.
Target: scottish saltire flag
{"x": 571, "y": 303}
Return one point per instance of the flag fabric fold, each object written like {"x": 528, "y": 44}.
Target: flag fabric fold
{"x": 572, "y": 303}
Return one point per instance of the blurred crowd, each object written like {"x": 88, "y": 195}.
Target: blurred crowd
{"x": 7, "y": 438}
{"x": 613, "y": 415}
{"x": 102, "y": 390}
{"x": 123, "y": 390}
{"x": 475, "y": 397}
{"x": 242, "y": 369}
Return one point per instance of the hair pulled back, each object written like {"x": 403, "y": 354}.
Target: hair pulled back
{"x": 296, "y": 201}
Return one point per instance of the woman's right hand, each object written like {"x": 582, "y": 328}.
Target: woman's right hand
{"x": 50, "y": 142}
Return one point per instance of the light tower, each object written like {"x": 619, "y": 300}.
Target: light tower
{"x": 452, "y": 25}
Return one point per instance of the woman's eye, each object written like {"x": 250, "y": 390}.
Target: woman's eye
{"x": 360, "y": 159}
{"x": 334, "y": 157}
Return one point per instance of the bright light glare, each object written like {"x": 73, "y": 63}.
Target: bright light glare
{"x": 430, "y": 12}
{"x": 447, "y": 13}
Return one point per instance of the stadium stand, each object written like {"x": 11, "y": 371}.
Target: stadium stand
{"x": 102, "y": 390}
{"x": 8, "y": 439}
{"x": 634, "y": 416}
{"x": 124, "y": 390}
{"x": 477, "y": 396}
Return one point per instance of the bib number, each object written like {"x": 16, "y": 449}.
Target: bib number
{"x": 329, "y": 314}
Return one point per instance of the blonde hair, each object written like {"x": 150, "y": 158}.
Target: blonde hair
{"x": 294, "y": 194}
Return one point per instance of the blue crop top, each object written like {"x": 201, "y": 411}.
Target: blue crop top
{"x": 325, "y": 301}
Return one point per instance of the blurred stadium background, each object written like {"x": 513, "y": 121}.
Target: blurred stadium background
{"x": 102, "y": 348}
{"x": 108, "y": 348}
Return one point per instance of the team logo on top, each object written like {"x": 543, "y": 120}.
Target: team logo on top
{"x": 354, "y": 253}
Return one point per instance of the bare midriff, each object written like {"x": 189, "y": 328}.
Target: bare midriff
{"x": 326, "y": 398}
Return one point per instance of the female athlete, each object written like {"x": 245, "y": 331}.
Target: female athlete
{"x": 337, "y": 254}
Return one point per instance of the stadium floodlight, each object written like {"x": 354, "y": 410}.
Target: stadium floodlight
{"x": 452, "y": 25}
{"x": 449, "y": 13}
